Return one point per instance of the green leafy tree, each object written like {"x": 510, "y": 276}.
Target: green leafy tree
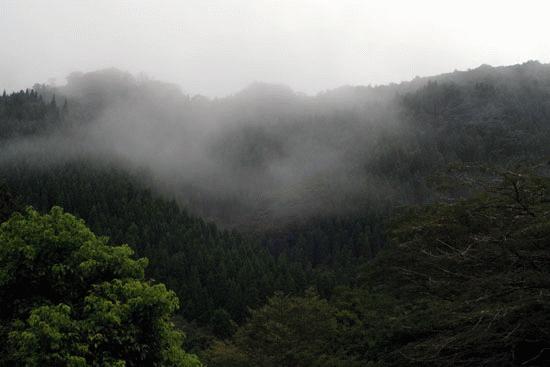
{"x": 70, "y": 299}
{"x": 287, "y": 331}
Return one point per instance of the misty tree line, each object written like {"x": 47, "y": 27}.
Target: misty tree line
{"x": 375, "y": 148}
{"x": 267, "y": 154}
{"x": 27, "y": 113}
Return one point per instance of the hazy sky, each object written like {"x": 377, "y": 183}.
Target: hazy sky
{"x": 216, "y": 47}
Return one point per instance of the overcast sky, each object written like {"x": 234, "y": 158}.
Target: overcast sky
{"x": 216, "y": 47}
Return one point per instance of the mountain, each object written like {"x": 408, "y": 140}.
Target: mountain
{"x": 270, "y": 203}
{"x": 269, "y": 155}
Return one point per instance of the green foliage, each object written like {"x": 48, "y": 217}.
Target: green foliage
{"x": 210, "y": 269}
{"x": 287, "y": 331}
{"x": 463, "y": 283}
{"x": 222, "y": 354}
{"x": 70, "y": 299}
{"x": 470, "y": 279}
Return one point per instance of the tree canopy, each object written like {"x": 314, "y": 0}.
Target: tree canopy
{"x": 463, "y": 283}
{"x": 70, "y": 299}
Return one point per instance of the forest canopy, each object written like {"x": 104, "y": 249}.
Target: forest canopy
{"x": 70, "y": 299}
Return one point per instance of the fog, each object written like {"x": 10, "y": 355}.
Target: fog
{"x": 264, "y": 154}
{"x": 243, "y": 110}
{"x": 217, "y": 47}
{"x": 268, "y": 155}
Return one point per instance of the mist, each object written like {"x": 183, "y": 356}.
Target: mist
{"x": 268, "y": 155}
{"x": 261, "y": 155}
{"x": 309, "y": 133}
{"x": 217, "y": 47}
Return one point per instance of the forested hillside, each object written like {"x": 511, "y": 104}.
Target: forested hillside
{"x": 459, "y": 284}
{"x": 269, "y": 155}
{"x": 391, "y": 225}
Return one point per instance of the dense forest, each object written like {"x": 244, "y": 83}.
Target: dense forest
{"x": 397, "y": 225}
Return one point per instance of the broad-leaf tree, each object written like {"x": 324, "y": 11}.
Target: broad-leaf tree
{"x": 70, "y": 299}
